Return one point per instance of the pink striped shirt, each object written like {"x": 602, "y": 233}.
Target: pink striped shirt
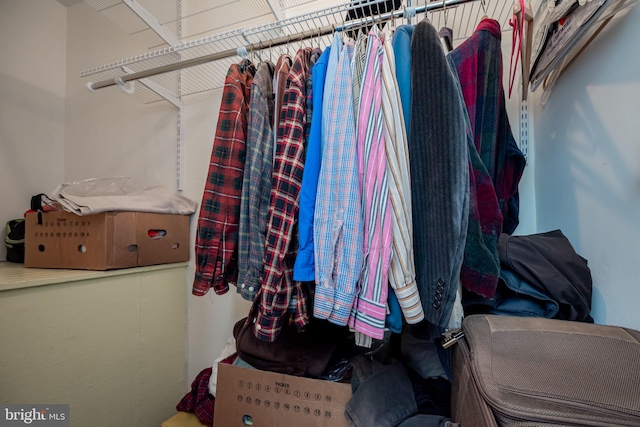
{"x": 369, "y": 311}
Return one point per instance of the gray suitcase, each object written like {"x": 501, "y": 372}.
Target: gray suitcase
{"x": 526, "y": 372}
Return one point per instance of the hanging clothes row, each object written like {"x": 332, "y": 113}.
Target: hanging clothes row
{"x": 365, "y": 184}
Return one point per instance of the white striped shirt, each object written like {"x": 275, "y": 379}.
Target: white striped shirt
{"x": 402, "y": 276}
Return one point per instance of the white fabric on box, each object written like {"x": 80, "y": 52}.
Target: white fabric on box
{"x": 228, "y": 350}
{"x": 96, "y": 195}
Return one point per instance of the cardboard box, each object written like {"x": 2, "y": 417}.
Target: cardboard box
{"x": 182, "y": 419}
{"x": 260, "y": 398}
{"x": 105, "y": 241}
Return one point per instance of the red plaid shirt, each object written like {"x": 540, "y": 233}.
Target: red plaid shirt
{"x": 277, "y": 284}
{"x": 217, "y": 236}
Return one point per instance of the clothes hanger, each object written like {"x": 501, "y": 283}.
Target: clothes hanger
{"x": 446, "y": 33}
{"x": 484, "y": 10}
{"x": 446, "y": 38}
{"x": 521, "y": 22}
{"x": 551, "y": 79}
{"x": 582, "y": 37}
{"x": 260, "y": 48}
{"x": 525, "y": 54}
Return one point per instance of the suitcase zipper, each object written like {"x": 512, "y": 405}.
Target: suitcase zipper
{"x": 452, "y": 337}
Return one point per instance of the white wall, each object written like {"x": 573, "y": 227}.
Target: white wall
{"x": 32, "y": 91}
{"x": 587, "y": 171}
{"x": 110, "y": 133}
{"x": 526, "y": 188}
{"x": 111, "y": 345}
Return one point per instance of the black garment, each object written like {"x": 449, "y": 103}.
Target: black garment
{"x": 305, "y": 354}
{"x": 439, "y": 163}
{"x": 548, "y": 262}
{"x": 433, "y": 395}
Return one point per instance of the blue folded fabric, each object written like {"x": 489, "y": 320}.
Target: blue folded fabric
{"x": 514, "y": 297}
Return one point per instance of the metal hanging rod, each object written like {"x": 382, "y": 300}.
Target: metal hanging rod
{"x": 279, "y": 41}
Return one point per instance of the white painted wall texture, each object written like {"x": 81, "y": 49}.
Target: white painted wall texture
{"x": 32, "y": 102}
{"x": 587, "y": 168}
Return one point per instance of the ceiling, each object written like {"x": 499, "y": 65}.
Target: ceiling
{"x": 68, "y": 3}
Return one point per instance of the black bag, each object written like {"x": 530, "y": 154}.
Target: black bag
{"x": 14, "y": 240}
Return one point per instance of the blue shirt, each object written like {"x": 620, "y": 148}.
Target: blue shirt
{"x": 304, "y": 268}
{"x": 401, "y": 44}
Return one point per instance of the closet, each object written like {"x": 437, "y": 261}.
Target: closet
{"x": 582, "y": 173}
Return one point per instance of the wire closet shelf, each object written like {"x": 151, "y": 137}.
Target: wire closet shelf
{"x": 201, "y": 65}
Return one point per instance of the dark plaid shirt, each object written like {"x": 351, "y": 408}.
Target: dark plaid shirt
{"x": 278, "y": 286}
{"x": 198, "y": 400}
{"x": 256, "y": 186}
{"x": 217, "y": 236}
{"x": 497, "y": 165}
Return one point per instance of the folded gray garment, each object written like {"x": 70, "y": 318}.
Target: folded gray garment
{"x": 422, "y": 356}
{"x": 98, "y": 195}
{"x": 423, "y": 420}
{"x": 385, "y": 399}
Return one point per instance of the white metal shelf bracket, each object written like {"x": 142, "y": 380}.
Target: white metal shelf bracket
{"x": 274, "y": 5}
{"x": 524, "y": 129}
{"x": 156, "y": 88}
{"x": 180, "y": 151}
{"x": 163, "y": 32}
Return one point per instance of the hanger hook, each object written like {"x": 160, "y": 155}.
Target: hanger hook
{"x": 444, "y": 11}
{"x": 127, "y": 87}
{"x": 310, "y": 31}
